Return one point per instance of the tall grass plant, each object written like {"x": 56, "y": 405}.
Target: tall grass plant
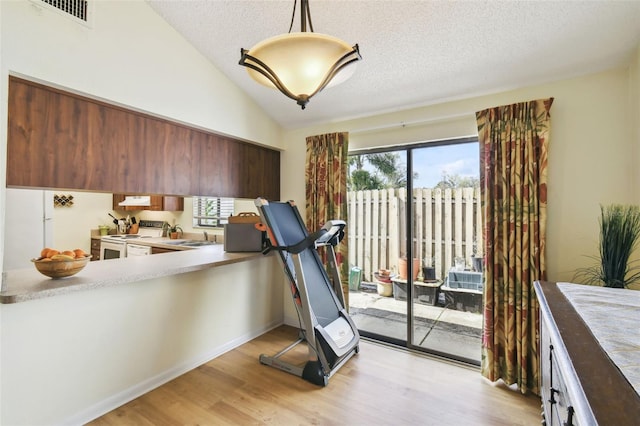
{"x": 619, "y": 237}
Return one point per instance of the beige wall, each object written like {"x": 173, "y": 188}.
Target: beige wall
{"x": 590, "y": 160}
{"x": 634, "y": 108}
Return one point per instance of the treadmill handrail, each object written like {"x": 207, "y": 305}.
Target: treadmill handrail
{"x": 331, "y": 233}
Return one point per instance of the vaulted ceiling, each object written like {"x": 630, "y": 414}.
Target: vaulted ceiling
{"x": 416, "y": 53}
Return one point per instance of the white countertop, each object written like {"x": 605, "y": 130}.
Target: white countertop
{"x": 613, "y": 316}
{"x": 22, "y": 285}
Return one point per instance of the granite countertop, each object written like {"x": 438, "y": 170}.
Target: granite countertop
{"x": 22, "y": 285}
{"x": 613, "y": 316}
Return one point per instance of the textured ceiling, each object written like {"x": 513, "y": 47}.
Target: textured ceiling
{"x": 416, "y": 52}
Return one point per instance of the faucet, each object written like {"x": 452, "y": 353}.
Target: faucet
{"x": 206, "y": 236}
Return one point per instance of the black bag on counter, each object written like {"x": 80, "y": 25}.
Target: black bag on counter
{"x": 243, "y": 237}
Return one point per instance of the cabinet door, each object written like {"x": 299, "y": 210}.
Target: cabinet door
{"x": 157, "y": 204}
{"x": 563, "y": 409}
{"x": 557, "y": 409}
{"x": 158, "y": 250}
{"x": 220, "y": 167}
{"x": 261, "y": 173}
{"x": 95, "y": 249}
{"x": 546, "y": 376}
{"x": 173, "y": 204}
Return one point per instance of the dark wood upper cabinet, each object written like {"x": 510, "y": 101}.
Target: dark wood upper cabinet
{"x": 58, "y": 139}
{"x": 256, "y": 159}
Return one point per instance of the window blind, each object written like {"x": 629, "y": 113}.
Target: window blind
{"x": 211, "y": 211}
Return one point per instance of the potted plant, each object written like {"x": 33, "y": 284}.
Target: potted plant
{"x": 619, "y": 233}
{"x": 173, "y": 231}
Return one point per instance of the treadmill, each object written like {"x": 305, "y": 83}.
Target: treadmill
{"x": 330, "y": 334}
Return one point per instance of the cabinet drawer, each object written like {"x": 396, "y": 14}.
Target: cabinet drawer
{"x": 563, "y": 409}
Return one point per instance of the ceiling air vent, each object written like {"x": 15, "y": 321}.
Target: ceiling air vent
{"x": 76, "y": 8}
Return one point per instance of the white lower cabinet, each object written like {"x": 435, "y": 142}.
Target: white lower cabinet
{"x": 557, "y": 407}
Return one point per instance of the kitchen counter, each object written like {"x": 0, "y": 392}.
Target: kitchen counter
{"x": 167, "y": 243}
{"x": 22, "y": 285}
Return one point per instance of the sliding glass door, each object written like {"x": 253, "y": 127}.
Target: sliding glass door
{"x": 377, "y": 188}
{"x": 414, "y": 229}
{"x": 446, "y": 229}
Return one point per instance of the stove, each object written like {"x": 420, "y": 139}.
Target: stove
{"x": 146, "y": 229}
{"x": 115, "y": 246}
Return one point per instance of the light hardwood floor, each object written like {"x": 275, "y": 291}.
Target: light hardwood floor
{"x": 379, "y": 386}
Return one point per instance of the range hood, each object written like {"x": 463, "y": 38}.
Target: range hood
{"x": 136, "y": 200}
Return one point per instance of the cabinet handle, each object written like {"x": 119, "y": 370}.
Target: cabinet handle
{"x": 552, "y": 400}
{"x": 569, "y": 421}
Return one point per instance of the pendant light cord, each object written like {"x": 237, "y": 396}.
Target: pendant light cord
{"x": 293, "y": 17}
{"x": 309, "y": 16}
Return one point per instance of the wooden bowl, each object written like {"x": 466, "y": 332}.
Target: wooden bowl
{"x": 60, "y": 268}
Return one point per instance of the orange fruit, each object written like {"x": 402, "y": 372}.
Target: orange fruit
{"x": 44, "y": 251}
{"x": 69, "y": 253}
{"x": 52, "y": 252}
{"x": 79, "y": 252}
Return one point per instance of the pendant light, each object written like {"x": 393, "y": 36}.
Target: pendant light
{"x": 300, "y": 64}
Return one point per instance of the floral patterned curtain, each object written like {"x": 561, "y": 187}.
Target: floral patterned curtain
{"x": 326, "y": 190}
{"x": 513, "y": 178}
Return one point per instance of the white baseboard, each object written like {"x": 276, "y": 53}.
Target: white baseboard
{"x": 121, "y": 398}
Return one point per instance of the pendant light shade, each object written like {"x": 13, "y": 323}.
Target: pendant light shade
{"x": 300, "y": 64}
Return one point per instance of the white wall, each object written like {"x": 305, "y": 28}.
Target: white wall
{"x": 70, "y": 356}
{"x": 132, "y": 57}
{"x": 72, "y": 225}
{"x": 590, "y": 158}
{"x": 129, "y": 56}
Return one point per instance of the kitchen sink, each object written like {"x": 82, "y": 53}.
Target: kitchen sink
{"x": 197, "y": 243}
{"x": 174, "y": 242}
{"x": 190, "y": 243}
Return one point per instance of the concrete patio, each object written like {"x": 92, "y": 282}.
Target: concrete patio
{"x": 436, "y": 328}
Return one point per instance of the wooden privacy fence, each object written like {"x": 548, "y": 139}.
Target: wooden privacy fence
{"x": 447, "y": 223}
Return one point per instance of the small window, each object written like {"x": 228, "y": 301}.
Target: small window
{"x": 211, "y": 212}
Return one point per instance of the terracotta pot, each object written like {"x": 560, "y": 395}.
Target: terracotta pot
{"x": 173, "y": 235}
{"x": 402, "y": 268}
